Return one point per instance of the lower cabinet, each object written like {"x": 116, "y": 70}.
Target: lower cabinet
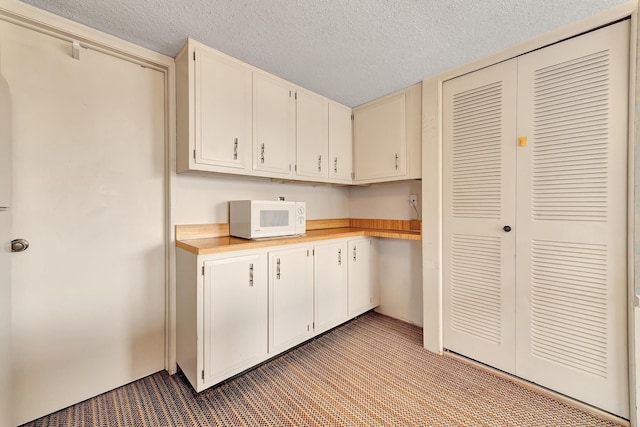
{"x": 330, "y": 285}
{"x": 364, "y": 286}
{"x": 290, "y": 297}
{"x": 235, "y": 321}
{"x": 237, "y": 309}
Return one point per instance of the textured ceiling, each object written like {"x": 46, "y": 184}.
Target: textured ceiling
{"x": 349, "y": 50}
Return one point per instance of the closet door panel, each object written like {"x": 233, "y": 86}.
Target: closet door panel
{"x": 479, "y": 117}
{"x": 571, "y": 288}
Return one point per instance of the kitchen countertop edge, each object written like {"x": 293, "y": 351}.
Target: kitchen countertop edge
{"x": 215, "y": 245}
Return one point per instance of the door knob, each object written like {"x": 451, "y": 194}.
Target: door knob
{"x": 19, "y": 245}
{"x": 506, "y": 228}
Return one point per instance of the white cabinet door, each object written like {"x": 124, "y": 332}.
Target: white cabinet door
{"x": 290, "y": 297}
{"x": 273, "y": 126}
{"x": 364, "y": 289}
{"x": 330, "y": 285}
{"x": 572, "y": 218}
{"x": 235, "y": 315}
{"x": 479, "y": 156}
{"x": 223, "y": 111}
{"x": 340, "y": 144}
{"x": 380, "y": 138}
{"x": 312, "y": 133}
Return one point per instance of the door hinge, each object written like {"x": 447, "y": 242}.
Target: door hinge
{"x": 296, "y": 95}
{"x": 313, "y": 251}
{"x": 289, "y": 167}
{"x": 203, "y": 270}
{"x": 295, "y": 168}
{"x": 353, "y": 175}
{"x": 307, "y": 252}
{"x": 203, "y": 374}
{"x": 289, "y": 94}
{"x": 194, "y": 154}
{"x": 194, "y": 55}
{"x": 352, "y": 116}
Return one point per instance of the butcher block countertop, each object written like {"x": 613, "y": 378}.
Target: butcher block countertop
{"x": 204, "y": 239}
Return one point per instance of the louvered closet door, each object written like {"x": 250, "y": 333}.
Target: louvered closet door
{"x": 572, "y": 218}
{"x": 479, "y": 200}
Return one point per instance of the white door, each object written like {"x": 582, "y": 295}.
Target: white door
{"x": 572, "y": 218}
{"x": 223, "y": 93}
{"x": 479, "y": 118}
{"x": 235, "y": 315}
{"x": 340, "y": 143}
{"x": 88, "y": 158}
{"x": 5, "y": 251}
{"x": 364, "y": 289}
{"x": 273, "y": 126}
{"x": 330, "y": 285}
{"x": 312, "y": 135}
{"x": 380, "y": 138}
{"x": 290, "y": 297}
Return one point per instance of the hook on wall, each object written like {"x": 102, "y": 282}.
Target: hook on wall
{"x": 75, "y": 50}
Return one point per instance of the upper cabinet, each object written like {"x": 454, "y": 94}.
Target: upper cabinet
{"x": 312, "y": 136}
{"x": 387, "y": 137}
{"x": 234, "y": 118}
{"x": 340, "y": 144}
{"x": 214, "y": 112}
{"x": 273, "y": 126}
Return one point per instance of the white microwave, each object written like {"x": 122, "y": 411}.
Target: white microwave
{"x": 256, "y": 219}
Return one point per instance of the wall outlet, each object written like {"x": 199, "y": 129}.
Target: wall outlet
{"x": 413, "y": 199}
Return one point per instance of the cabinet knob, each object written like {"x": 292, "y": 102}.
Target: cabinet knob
{"x": 262, "y": 153}
{"x": 506, "y": 228}
{"x": 396, "y": 161}
{"x": 19, "y": 245}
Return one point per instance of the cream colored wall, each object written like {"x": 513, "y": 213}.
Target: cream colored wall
{"x": 199, "y": 199}
{"x": 400, "y": 260}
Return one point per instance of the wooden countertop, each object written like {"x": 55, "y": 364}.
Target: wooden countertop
{"x": 212, "y": 245}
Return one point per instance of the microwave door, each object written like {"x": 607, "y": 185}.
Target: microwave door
{"x": 273, "y": 220}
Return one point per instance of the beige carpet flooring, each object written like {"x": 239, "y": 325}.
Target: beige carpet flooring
{"x": 371, "y": 371}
